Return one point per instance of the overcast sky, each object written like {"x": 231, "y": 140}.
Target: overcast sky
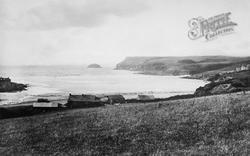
{"x": 50, "y": 32}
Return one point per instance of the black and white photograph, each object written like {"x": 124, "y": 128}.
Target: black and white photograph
{"x": 125, "y": 77}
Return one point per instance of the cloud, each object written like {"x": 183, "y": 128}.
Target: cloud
{"x": 244, "y": 45}
{"x": 68, "y": 13}
{"x": 2, "y": 12}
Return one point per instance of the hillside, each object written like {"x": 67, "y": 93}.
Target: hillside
{"x": 181, "y": 65}
{"x": 225, "y": 83}
{"x": 212, "y": 125}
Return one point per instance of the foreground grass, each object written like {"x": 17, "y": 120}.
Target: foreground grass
{"x": 215, "y": 125}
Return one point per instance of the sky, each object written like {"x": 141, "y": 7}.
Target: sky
{"x": 77, "y": 32}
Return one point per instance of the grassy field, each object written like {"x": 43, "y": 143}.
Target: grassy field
{"x": 214, "y": 125}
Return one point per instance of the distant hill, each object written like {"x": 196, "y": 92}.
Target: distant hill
{"x": 181, "y": 65}
{"x": 94, "y": 66}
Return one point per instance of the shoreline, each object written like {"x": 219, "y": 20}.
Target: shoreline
{"x": 127, "y": 95}
{"x": 26, "y": 108}
{"x": 35, "y": 91}
{"x": 25, "y": 103}
{"x": 184, "y": 76}
{"x": 210, "y": 89}
{"x": 170, "y": 95}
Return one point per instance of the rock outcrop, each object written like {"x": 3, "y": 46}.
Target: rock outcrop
{"x": 7, "y": 86}
{"x": 227, "y": 86}
{"x": 94, "y": 66}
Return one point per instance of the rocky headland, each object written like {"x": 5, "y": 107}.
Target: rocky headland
{"x": 94, "y": 66}
{"x": 197, "y": 66}
{"x": 7, "y": 86}
{"x": 225, "y": 74}
{"x": 225, "y": 83}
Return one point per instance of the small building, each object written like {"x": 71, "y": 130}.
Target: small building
{"x": 145, "y": 97}
{"x": 45, "y": 105}
{"x": 243, "y": 67}
{"x": 102, "y": 98}
{"x": 42, "y": 100}
{"x": 238, "y": 69}
{"x": 5, "y": 79}
{"x": 248, "y": 67}
{"x": 113, "y": 99}
{"x": 83, "y": 101}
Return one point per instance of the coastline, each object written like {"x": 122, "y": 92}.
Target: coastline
{"x": 165, "y": 117}
{"x": 26, "y": 108}
{"x": 208, "y": 90}
{"x": 184, "y": 76}
{"x": 217, "y": 82}
{"x": 195, "y": 77}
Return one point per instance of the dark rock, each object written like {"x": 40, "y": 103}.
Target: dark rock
{"x": 220, "y": 87}
{"x": 94, "y": 66}
{"x": 223, "y": 88}
{"x": 42, "y": 100}
{"x": 7, "y": 86}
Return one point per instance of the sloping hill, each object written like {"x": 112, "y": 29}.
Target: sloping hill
{"x": 181, "y": 65}
{"x": 214, "y": 125}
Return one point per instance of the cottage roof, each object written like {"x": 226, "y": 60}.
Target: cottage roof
{"x": 118, "y": 96}
{"x": 83, "y": 97}
{"x": 146, "y": 96}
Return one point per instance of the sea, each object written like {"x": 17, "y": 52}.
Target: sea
{"x": 57, "y": 82}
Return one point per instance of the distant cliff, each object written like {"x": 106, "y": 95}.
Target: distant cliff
{"x": 7, "y": 86}
{"x": 192, "y": 65}
{"x": 220, "y": 71}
